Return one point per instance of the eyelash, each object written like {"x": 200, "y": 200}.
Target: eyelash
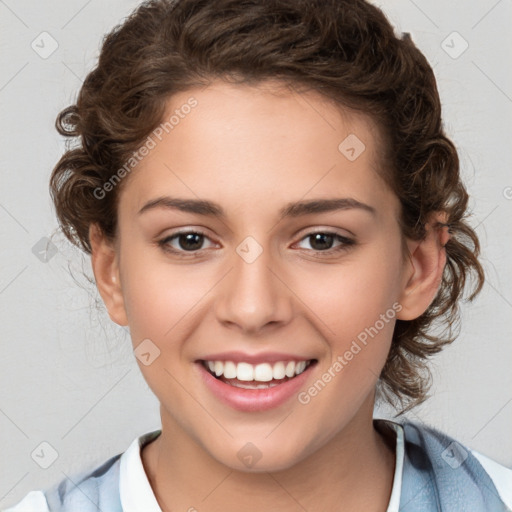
{"x": 345, "y": 245}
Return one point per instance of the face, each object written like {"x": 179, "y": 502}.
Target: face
{"x": 297, "y": 256}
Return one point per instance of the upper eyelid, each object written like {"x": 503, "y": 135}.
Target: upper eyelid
{"x": 332, "y": 231}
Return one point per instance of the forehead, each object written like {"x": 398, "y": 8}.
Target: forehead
{"x": 267, "y": 144}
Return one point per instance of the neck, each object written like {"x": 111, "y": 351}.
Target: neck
{"x": 352, "y": 471}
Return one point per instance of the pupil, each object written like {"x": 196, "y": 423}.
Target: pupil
{"x": 320, "y": 240}
{"x": 189, "y": 241}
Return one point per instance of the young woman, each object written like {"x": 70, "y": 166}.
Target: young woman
{"x": 272, "y": 207}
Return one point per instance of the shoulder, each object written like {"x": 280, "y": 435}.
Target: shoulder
{"x": 500, "y": 475}
{"x": 97, "y": 489}
{"x": 34, "y": 501}
{"x": 86, "y": 491}
{"x": 453, "y": 474}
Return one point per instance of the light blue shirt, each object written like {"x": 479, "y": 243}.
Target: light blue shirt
{"x": 433, "y": 472}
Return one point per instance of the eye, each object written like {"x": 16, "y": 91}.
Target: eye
{"x": 191, "y": 242}
{"x": 187, "y": 242}
{"x": 322, "y": 241}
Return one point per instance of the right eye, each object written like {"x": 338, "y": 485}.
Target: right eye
{"x": 188, "y": 241}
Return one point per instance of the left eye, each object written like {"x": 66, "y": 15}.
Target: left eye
{"x": 321, "y": 239}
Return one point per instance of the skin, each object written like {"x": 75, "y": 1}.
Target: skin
{"x": 253, "y": 150}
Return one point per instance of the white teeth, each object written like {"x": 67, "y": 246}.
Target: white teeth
{"x": 253, "y": 386}
{"x": 244, "y": 371}
{"x": 230, "y": 371}
{"x": 290, "y": 369}
{"x": 263, "y": 372}
{"x": 219, "y": 368}
{"x": 278, "y": 371}
{"x": 299, "y": 368}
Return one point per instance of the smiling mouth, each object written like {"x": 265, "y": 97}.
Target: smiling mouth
{"x": 260, "y": 376}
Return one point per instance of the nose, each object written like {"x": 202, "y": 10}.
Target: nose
{"x": 254, "y": 295}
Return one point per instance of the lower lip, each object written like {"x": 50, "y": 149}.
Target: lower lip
{"x": 251, "y": 400}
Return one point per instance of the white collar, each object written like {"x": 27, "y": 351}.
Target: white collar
{"x": 396, "y": 490}
{"x": 134, "y": 487}
{"x": 137, "y": 495}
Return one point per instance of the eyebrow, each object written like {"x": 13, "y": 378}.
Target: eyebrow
{"x": 294, "y": 209}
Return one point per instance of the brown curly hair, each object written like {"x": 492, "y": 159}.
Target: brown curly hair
{"x": 344, "y": 49}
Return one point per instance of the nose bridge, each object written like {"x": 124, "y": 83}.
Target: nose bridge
{"x": 253, "y": 295}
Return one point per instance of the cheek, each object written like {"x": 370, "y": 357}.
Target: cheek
{"x": 358, "y": 316}
{"x": 350, "y": 297}
{"x": 158, "y": 295}
{"x": 355, "y": 307}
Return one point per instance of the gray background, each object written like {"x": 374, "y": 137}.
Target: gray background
{"x": 67, "y": 373}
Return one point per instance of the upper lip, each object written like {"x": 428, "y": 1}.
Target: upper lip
{"x": 261, "y": 357}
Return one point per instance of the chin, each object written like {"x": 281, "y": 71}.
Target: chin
{"x": 258, "y": 457}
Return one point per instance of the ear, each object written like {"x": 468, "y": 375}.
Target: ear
{"x": 427, "y": 260}
{"x": 105, "y": 265}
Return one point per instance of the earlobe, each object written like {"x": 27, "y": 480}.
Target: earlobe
{"x": 105, "y": 266}
{"x": 427, "y": 259}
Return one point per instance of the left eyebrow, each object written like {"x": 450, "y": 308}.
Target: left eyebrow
{"x": 323, "y": 205}
{"x": 294, "y": 209}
